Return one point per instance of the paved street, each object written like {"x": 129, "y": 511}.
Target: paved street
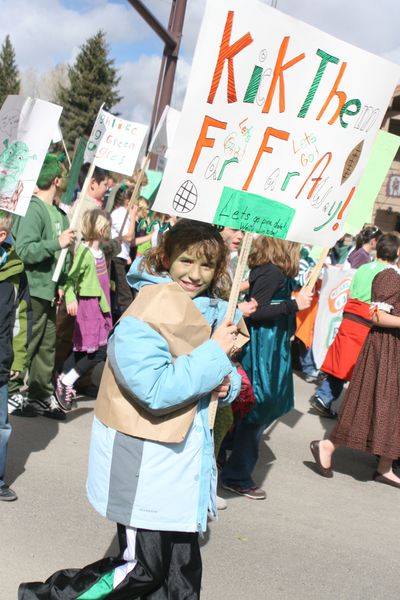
{"x": 312, "y": 539}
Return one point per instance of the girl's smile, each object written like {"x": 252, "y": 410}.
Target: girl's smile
{"x": 192, "y": 271}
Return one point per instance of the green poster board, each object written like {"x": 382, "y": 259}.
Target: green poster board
{"x": 76, "y": 165}
{"x": 381, "y": 157}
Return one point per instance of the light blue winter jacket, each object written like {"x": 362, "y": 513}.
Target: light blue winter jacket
{"x": 152, "y": 485}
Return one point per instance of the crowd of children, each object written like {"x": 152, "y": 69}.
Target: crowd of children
{"x": 171, "y": 388}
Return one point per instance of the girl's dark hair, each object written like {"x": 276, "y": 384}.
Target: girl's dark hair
{"x": 371, "y": 232}
{"x": 205, "y": 239}
{"x": 388, "y": 246}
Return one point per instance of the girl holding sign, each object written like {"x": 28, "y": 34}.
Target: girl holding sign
{"x": 267, "y": 358}
{"x": 159, "y": 491}
{"x": 87, "y": 296}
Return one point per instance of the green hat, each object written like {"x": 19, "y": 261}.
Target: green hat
{"x": 51, "y": 168}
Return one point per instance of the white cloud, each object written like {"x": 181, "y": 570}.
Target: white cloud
{"x": 138, "y": 87}
{"x": 46, "y": 32}
{"x": 371, "y": 25}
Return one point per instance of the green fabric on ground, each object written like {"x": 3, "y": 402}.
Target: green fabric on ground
{"x": 101, "y": 589}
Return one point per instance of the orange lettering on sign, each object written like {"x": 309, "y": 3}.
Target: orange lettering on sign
{"x": 278, "y": 74}
{"x": 342, "y": 97}
{"x": 203, "y": 141}
{"x": 227, "y": 52}
{"x": 278, "y": 133}
{"x": 316, "y": 180}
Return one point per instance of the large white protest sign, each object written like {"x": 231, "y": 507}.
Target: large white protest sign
{"x": 27, "y": 126}
{"x": 333, "y": 297}
{"x": 165, "y": 132}
{"x": 115, "y": 143}
{"x": 277, "y": 125}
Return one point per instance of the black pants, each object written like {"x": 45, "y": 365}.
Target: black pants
{"x": 168, "y": 568}
{"x": 122, "y": 296}
{"x": 7, "y": 314}
{"x": 170, "y": 561}
{"x": 82, "y": 362}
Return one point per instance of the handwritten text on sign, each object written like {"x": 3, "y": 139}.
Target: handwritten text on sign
{"x": 277, "y": 109}
{"x": 115, "y": 143}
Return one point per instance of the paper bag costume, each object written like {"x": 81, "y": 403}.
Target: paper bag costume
{"x": 170, "y": 311}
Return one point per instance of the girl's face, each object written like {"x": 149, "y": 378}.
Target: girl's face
{"x": 143, "y": 210}
{"x": 192, "y": 271}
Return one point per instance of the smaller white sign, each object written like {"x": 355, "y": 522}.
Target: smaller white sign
{"x": 115, "y": 143}
{"x": 334, "y": 293}
{"x": 27, "y": 126}
{"x": 57, "y": 134}
{"x": 165, "y": 131}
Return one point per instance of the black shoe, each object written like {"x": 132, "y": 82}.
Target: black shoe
{"x": 48, "y": 408}
{"x": 321, "y": 409}
{"x": 7, "y": 494}
{"x": 253, "y": 492}
{"x": 65, "y": 394}
{"x": 18, "y": 406}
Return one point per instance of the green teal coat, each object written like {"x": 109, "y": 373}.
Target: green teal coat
{"x": 267, "y": 361}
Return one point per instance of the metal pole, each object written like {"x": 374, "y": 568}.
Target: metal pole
{"x": 172, "y": 57}
{"x": 154, "y": 23}
{"x": 172, "y": 40}
{"x": 154, "y": 113}
{"x": 168, "y": 64}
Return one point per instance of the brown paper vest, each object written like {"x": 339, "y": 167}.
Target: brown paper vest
{"x": 170, "y": 312}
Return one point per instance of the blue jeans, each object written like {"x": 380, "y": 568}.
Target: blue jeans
{"x": 240, "y": 465}
{"x": 329, "y": 390}
{"x": 306, "y": 359}
{"x": 5, "y": 429}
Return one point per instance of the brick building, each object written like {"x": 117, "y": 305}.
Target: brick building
{"x": 387, "y": 205}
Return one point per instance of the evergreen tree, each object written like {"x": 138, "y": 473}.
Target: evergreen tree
{"x": 93, "y": 79}
{"x": 9, "y": 75}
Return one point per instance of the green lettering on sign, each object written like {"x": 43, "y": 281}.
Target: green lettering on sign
{"x": 249, "y": 212}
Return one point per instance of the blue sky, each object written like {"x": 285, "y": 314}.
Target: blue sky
{"x": 48, "y": 32}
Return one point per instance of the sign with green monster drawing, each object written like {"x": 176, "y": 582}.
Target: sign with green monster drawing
{"x": 26, "y": 129}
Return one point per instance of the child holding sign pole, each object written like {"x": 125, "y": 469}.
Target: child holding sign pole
{"x": 41, "y": 236}
{"x": 87, "y": 296}
{"x": 154, "y": 471}
{"x": 266, "y": 359}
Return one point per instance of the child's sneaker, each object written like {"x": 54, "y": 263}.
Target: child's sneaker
{"x": 48, "y": 408}
{"x": 65, "y": 394}
{"x": 18, "y": 406}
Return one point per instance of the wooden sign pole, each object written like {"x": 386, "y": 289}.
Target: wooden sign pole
{"x": 232, "y": 304}
{"x": 312, "y": 280}
{"x": 136, "y": 190}
{"x": 74, "y": 221}
{"x": 66, "y": 153}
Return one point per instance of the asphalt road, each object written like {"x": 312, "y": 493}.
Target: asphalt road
{"x": 311, "y": 539}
